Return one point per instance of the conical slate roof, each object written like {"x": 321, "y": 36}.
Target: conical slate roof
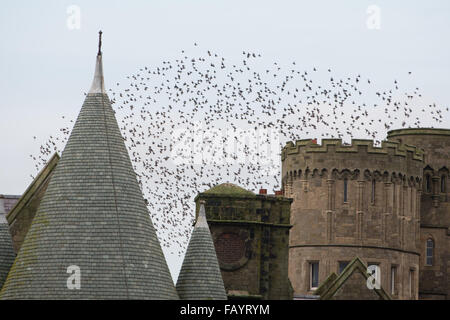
{"x": 92, "y": 217}
{"x": 6, "y": 247}
{"x": 200, "y": 277}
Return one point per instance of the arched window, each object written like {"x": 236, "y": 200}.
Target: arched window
{"x": 428, "y": 183}
{"x": 345, "y": 190}
{"x": 430, "y": 252}
{"x": 443, "y": 184}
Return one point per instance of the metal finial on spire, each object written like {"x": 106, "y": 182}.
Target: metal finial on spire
{"x": 100, "y": 43}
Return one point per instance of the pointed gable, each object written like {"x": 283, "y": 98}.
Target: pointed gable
{"x": 351, "y": 284}
{"x": 23, "y": 212}
{"x": 92, "y": 216}
{"x": 200, "y": 277}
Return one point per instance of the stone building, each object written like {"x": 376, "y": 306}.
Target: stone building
{"x": 343, "y": 208}
{"x": 251, "y": 237}
{"x": 363, "y": 201}
{"x": 434, "y": 245}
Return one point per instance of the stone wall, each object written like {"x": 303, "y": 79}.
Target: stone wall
{"x": 329, "y": 257}
{"x": 251, "y": 237}
{"x": 379, "y": 213}
{"x": 435, "y": 207}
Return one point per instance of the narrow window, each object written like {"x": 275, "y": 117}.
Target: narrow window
{"x": 373, "y": 191}
{"x": 345, "y": 190}
{"x": 429, "y": 253}
{"x": 342, "y": 265}
{"x": 393, "y": 279}
{"x": 314, "y": 275}
{"x": 443, "y": 186}
{"x": 428, "y": 183}
{"x": 411, "y": 283}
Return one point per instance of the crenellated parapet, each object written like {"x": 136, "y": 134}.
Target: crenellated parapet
{"x": 356, "y": 146}
{"x": 392, "y": 162}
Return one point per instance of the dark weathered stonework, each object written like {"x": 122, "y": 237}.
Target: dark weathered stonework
{"x": 251, "y": 235}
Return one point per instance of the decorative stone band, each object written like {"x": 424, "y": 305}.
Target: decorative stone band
{"x": 273, "y": 198}
{"x": 249, "y": 222}
{"x": 418, "y": 131}
{"x": 354, "y": 174}
{"x": 359, "y": 246}
{"x": 356, "y": 146}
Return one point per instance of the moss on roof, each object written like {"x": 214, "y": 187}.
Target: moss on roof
{"x": 229, "y": 189}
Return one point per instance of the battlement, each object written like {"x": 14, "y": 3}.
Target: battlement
{"x": 356, "y": 146}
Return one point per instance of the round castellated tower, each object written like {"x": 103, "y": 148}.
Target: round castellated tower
{"x": 353, "y": 200}
{"x": 434, "y": 280}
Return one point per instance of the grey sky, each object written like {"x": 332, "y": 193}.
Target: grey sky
{"x": 45, "y": 67}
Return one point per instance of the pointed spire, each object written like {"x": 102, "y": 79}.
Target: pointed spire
{"x": 98, "y": 84}
{"x": 92, "y": 218}
{"x": 201, "y": 219}
{"x": 200, "y": 277}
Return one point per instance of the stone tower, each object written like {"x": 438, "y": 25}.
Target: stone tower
{"x": 92, "y": 237}
{"x": 434, "y": 280}
{"x": 200, "y": 277}
{"x": 353, "y": 201}
{"x": 251, "y": 235}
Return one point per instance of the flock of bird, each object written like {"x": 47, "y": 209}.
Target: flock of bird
{"x": 201, "y": 120}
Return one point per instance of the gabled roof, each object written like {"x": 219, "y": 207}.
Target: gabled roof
{"x": 329, "y": 288}
{"x": 34, "y": 187}
{"x": 92, "y": 218}
{"x": 325, "y": 285}
{"x": 22, "y": 214}
{"x": 200, "y": 277}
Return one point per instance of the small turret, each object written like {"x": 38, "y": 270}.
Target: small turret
{"x": 200, "y": 277}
